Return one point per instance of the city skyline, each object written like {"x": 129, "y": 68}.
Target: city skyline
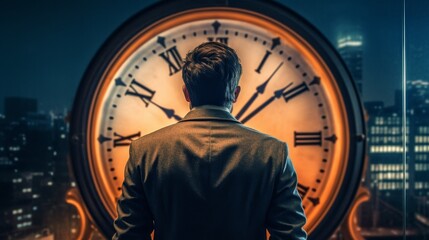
{"x": 49, "y": 65}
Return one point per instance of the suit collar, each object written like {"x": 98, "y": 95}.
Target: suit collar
{"x": 209, "y": 114}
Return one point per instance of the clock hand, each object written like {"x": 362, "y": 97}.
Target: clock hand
{"x": 277, "y": 94}
{"x": 259, "y": 90}
{"x": 146, "y": 94}
{"x": 168, "y": 111}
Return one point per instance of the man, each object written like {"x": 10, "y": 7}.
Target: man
{"x": 208, "y": 176}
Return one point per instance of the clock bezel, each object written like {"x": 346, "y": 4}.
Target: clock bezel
{"x": 145, "y": 18}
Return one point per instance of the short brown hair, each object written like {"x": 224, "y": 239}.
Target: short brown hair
{"x": 211, "y": 73}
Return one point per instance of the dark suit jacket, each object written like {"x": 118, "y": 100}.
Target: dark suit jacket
{"x": 209, "y": 177}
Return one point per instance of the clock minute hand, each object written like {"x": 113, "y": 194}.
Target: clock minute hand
{"x": 259, "y": 90}
{"x": 277, "y": 94}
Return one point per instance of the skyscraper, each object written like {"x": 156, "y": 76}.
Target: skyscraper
{"x": 389, "y": 178}
{"x": 350, "y": 48}
{"x": 385, "y": 177}
{"x": 418, "y": 153}
{"x": 34, "y": 173}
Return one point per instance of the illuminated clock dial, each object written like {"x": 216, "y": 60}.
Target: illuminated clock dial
{"x": 291, "y": 89}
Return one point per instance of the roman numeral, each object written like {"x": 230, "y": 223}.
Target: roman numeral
{"x": 314, "y": 201}
{"x": 293, "y": 92}
{"x": 262, "y": 63}
{"x": 120, "y": 141}
{"x": 275, "y": 42}
{"x": 307, "y": 138}
{"x": 223, "y": 40}
{"x": 141, "y": 91}
{"x": 173, "y": 59}
{"x": 302, "y": 190}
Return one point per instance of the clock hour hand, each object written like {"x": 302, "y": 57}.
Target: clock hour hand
{"x": 146, "y": 94}
{"x": 168, "y": 111}
{"x": 259, "y": 90}
{"x": 277, "y": 94}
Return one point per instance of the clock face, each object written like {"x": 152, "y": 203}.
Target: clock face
{"x": 289, "y": 90}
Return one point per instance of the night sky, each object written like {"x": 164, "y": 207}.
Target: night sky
{"x": 46, "y": 45}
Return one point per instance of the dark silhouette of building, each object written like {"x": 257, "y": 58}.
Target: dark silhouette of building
{"x": 17, "y": 107}
{"x": 418, "y": 152}
{"x": 350, "y": 48}
{"x": 398, "y": 168}
{"x": 34, "y": 176}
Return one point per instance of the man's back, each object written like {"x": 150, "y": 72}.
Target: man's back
{"x": 210, "y": 177}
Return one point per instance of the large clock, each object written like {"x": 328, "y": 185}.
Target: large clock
{"x": 294, "y": 87}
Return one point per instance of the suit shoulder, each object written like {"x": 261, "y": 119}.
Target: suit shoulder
{"x": 260, "y": 136}
{"x": 155, "y": 136}
{"x": 266, "y": 145}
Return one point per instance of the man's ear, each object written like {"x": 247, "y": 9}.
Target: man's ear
{"x": 236, "y": 93}
{"x": 186, "y": 93}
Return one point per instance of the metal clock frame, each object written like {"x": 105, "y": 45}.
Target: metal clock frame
{"x": 88, "y": 87}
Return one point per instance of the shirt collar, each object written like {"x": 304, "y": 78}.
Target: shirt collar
{"x": 215, "y": 113}
{"x": 211, "y": 107}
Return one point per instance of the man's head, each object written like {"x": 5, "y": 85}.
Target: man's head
{"x": 211, "y": 72}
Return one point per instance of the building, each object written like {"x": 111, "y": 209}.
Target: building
{"x": 350, "y": 48}
{"x": 17, "y": 107}
{"x": 418, "y": 157}
{"x": 399, "y": 161}
{"x": 34, "y": 175}
{"x": 386, "y": 174}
